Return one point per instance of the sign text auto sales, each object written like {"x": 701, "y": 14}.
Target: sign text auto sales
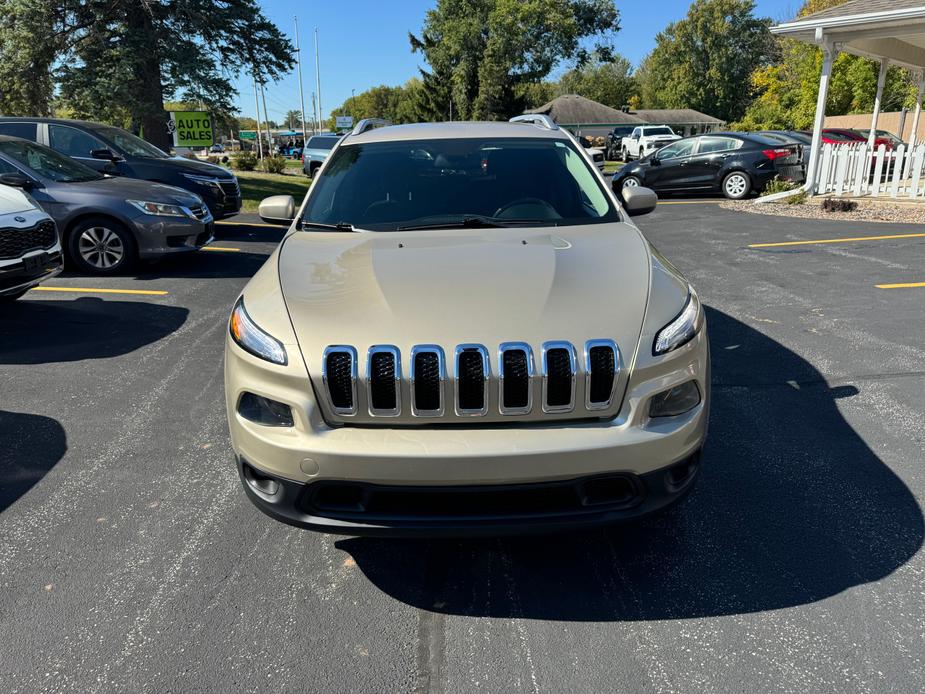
{"x": 191, "y": 128}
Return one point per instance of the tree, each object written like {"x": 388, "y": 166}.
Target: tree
{"x": 704, "y": 61}
{"x": 27, "y": 53}
{"x": 481, "y": 53}
{"x": 608, "y": 82}
{"x": 119, "y": 59}
{"x": 293, "y": 119}
{"x": 786, "y": 91}
{"x": 395, "y": 104}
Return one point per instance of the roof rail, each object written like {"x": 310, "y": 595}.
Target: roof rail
{"x": 369, "y": 124}
{"x": 537, "y": 119}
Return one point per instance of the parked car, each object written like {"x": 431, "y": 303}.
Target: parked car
{"x": 646, "y": 139}
{"x": 217, "y": 148}
{"x": 596, "y": 154}
{"x": 736, "y": 164}
{"x": 848, "y": 135}
{"x": 884, "y": 137}
{"x": 106, "y": 222}
{"x": 316, "y": 151}
{"x": 116, "y": 152}
{"x": 520, "y": 359}
{"x": 805, "y": 140}
{"x": 30, "y": 249}
{"x": 615, "y": 137}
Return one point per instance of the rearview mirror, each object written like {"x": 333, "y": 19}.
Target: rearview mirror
{"x": 105, "y": 154}
{"x": 639, "y": 200}
{"x": 16, "y": 180}
{"x": 277, "y": 209}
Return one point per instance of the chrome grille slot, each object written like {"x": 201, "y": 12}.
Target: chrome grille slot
{"x": 559, "y": 366}
{"x": 472, "y": 375}
{"x": 515, "y": 374}
{"x": 602, "y": 365}
{"x": 383, "y": 381}
{"x": 339, "y": 374}
{"x": 428, "y": 374}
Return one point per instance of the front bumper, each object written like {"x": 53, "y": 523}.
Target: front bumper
{"x": 631, "y": 446}
{"x": 159, "y": 236}
{"x": 16, "y": 277}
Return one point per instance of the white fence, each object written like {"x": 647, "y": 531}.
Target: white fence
{"x": 853, "y": 169}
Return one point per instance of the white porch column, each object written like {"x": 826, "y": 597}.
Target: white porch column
{"x": 881, "y": 82}
{"x": 920, "y": 78}
{"x": 828, "y": 56}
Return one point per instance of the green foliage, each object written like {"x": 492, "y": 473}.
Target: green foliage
{"x": 777, "y": 185}
{"x": 275, "y": 164}
{"x": 481, "y": 53}
{"x": 608, "y": 82}
{"x": 704, "y": 61}
{"x": 244, "y": 161}
{"x": 118, "y": 60}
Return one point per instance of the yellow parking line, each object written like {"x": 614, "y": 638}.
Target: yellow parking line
{"x": 251, "y": 224}
{"x": 220, "y": 248}
{"x": 900, "y": 285}
{"x": 844, "y": 240}
{"x": 94, "y": 290}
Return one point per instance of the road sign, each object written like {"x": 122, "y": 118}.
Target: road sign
{"x": 191, "y": 129}
{"x": 343, "y": 122}
{"x": 247, "y": 134}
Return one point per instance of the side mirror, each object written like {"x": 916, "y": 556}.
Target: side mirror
{"x": 105, "y": 154}
{"x": 15, "y": 180}
{"x": 639, "y": 200}
{"x": 277, "y": 209}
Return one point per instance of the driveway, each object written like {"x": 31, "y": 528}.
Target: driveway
{"x": 131, "y": 561}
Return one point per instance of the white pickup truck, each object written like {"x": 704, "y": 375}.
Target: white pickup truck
{"x": 645, "y": 139}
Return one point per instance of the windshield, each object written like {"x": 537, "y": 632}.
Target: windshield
{"x": 322, "y": 142}
{"x": 131, "y": 145}
{"x": 388, "y": 186}
{"x": 664, "y": 130}
{"x": 47, "y": 162}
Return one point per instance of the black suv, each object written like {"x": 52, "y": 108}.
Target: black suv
{"x": 615, "y": 140}
{"x": 114, "y": 151}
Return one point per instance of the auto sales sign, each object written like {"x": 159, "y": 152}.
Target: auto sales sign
{"x": 191, "y": 129}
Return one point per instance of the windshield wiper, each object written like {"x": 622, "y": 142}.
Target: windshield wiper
{"x": 340, "y": 226}
{"x": 474, "y": 223}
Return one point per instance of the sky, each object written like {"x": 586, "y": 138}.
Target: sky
{"x": 365, "y": 43}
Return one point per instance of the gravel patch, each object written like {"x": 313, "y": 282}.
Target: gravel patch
{"x": 867, "y": 210}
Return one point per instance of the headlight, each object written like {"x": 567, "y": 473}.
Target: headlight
{"x": 158, "y": 209}
{"x": 202, "y": 180}
{"x": 681, "y": 330}
{"x": 252, "y": 339}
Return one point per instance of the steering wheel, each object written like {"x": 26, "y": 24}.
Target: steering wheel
{"x": 527, "y": 208}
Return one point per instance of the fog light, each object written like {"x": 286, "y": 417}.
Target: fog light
{"x": 264, "y": 411}
{"x": 675, "y": 401}
{"x": 259, "y": 482}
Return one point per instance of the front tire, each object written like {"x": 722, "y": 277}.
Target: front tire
{"x": 631, "y": 182}
{"x": 737, "y": 185}
{"x": 101, "y": 246}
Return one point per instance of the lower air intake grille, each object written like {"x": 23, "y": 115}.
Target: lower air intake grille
{"x": 15, "y": 242}
{"x": 340, "y": 376}
{"x": 602, "y": 373}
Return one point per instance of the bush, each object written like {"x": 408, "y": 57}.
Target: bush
{"x": 798, "y": 198}
{"x": 777, "y": 185}
{"x": 837, "y": 205}
{"x": 244, "y": 161}
{"x": 275, "y": 164}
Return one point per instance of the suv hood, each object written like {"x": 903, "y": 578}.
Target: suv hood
{"x": 450, "y": 287}
{"x": 14, "y": 200}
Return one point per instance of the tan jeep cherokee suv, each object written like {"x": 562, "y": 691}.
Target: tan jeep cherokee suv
{"x": 463, "y": 333}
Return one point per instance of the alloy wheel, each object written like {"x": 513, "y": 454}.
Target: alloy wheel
{"x": 736, "y": 186}
{"x": 631, "y": 182}
{"x": 101, "y": 247}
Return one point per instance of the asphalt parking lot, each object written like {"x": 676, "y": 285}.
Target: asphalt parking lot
{"x": 130, "y": 559}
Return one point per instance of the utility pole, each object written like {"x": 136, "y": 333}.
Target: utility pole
{"x": 314, "y": 115}
{"x": 266, "y": 119}
{"x": 257, "y": 119}
{"x": 318, "y": 80}
{"x": 298, "y": 52}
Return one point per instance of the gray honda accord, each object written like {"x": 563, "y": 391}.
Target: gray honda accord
{"x": 106, "y": 223}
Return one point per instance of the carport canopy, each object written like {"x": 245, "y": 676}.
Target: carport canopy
{"x": 891, "y": 32}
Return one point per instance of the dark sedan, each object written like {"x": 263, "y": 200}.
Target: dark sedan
{"x": 735, "y": 164}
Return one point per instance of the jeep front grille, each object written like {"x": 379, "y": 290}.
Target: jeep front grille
{"x": 563, "y": 383}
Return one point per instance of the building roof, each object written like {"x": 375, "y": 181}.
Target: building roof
{"x": 677, "y": 116}
{"x": 861, "y": 7}
{"x": 571, "y": 109}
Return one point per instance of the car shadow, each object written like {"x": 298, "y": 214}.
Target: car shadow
{"x": 32, "y": 445}
{"x": 792, "y": 507}
{"x": 47, "y": 331}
